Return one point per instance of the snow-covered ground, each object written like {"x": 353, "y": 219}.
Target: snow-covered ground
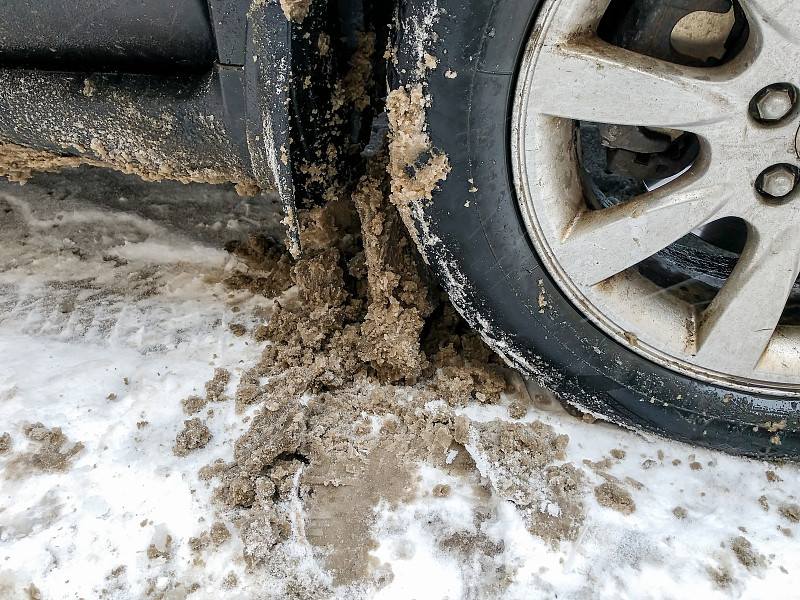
{"x": 112, "y": 311}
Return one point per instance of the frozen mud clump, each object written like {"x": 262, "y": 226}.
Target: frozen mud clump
{"x": 295, "y": 10}
{"x": 268, "y": 266}
{"x": 790, "y": 512}
{"x": 237, "y": 329}
{"x": 49, "y": 452}
{"x": 522, "y": 467}
{"x": 5, "y": 443}
{"x": 216, "y": 387}
{"x": 20, "y": 164}
{"x": 745, "y": 554}
{"x": 262, "y": 476}
{"x": 398, "y": 289}
{"x": 216, "y": 536}
{"x": 409, "y": 144}
{"x": 193, "y": 404}
{"x": 613, "y": 495}
{"x": 219, "y": 533}
{"x": 364, "y": 366}
{"x": 362, "y": 302}
{"x": 195, "y": 434}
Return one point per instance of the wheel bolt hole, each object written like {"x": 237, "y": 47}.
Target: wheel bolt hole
{"x": 774, "y": 103}
{"x": 777, "y": 181}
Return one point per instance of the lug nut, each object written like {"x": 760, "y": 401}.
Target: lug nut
{"x": 774, "y": 102}
{"x": 777, "y": 181}
{"x": 775, "y": 105}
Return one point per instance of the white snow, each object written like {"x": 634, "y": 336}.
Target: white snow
{"x": 106, "y": 350}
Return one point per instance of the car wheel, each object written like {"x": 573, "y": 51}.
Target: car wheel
{"x": 620, "y": 215}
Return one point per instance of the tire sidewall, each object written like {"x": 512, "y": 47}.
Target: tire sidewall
{"x": 486, "y": 262}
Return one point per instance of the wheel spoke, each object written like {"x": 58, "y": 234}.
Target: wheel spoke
{"x": 736, "y": 327}
{"x": 777, "y": 21}
{"x": 605, "y": 242}
{"x": 600, "y": 257}
{"x": 579, "y": 15}
{"x": 591, "y": 80}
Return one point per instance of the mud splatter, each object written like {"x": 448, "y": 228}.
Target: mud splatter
{"x": 20, "y": 164}
{"x": 215, "y": 388}
{"x": 745, "y": 553}
{"x": 614, "y": 496}
{"x": 415, "y": 166}
{"x": 49, "y": 452}
{"x": 195, "y": 434}
{"x": 295, "y": 10}
{"x": 525, "y": 457}
{"x": 193, "y": 404}
{"x": 364, "y": 310}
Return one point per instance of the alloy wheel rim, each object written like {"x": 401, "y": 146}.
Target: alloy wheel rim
{"x": 569, "y": 74}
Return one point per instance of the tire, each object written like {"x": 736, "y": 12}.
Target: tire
{"x": 486, "y": 260}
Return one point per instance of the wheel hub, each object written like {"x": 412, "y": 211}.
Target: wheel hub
{"x": 747, "y": 168}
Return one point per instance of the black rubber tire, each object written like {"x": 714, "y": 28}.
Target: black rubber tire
{"x": 486, "y": 262}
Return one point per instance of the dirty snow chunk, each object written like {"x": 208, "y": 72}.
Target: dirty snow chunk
{"x": 791, "y": 512}
{"x": 193, "y": 404}
{"x": 49, "y": 451}
{"x": 295, "y": 10}
{"x": 195, "y": 434}
{"x": 216, "y": 386}
{"x": 744, "y": 552}
{"x": 219, "y": 533}
{"x": 237, "y": 329}
{"x": 612, "y": 495}
{"x": 521, "y": 461}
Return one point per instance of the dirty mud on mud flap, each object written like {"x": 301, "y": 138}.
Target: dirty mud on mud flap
{"x": 246, "y": 95}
